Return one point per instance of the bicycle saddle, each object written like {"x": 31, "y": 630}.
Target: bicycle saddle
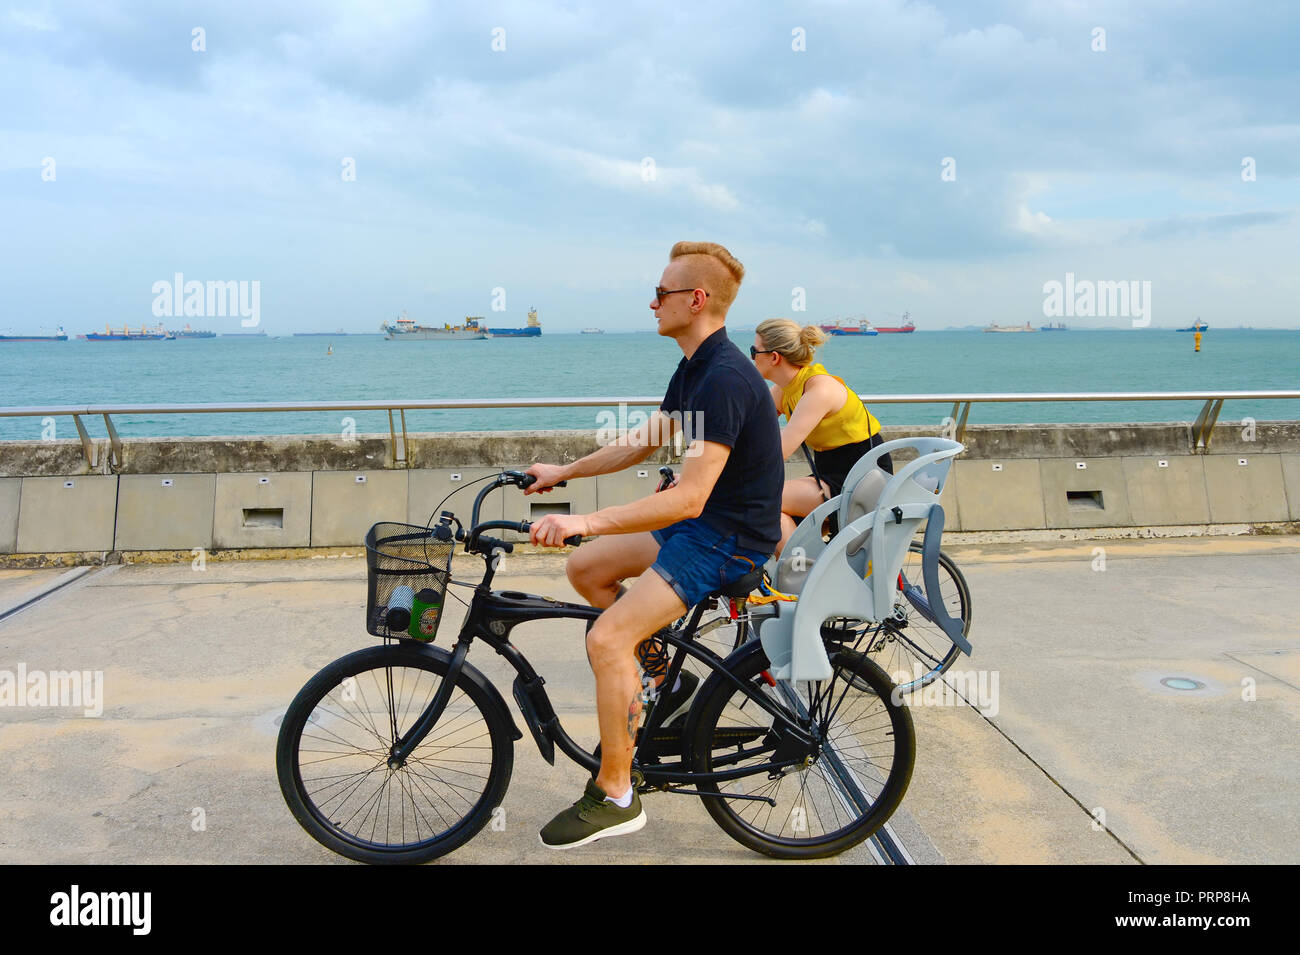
{"x": 742, "y": 586}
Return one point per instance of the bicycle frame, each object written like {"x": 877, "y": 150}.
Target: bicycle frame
{"x": 492, "y": 616}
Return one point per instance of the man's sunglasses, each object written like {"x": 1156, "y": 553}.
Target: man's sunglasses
{"x": 661, "y": 292}
{"x": 755, "y": 352}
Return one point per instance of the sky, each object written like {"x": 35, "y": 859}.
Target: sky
{"x": 861, "y": 159}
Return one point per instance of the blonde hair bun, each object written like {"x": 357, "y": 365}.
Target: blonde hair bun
{"x": 795, "y": 343}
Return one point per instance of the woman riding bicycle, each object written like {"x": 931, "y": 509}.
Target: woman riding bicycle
{"x": 820, "y": 410}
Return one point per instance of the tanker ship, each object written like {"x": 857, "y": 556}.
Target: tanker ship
{"x": 406, "y": 330}
{"x": 157, "y": 333}
{"x": 531, "y": 330}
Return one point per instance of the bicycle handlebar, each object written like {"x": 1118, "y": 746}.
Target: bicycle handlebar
{"x": 520, "y": 480}
{"x": 523, "y": 527}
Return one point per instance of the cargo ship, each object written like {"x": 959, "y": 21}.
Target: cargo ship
{"x": 860, "y": 328}
{"x": 405, "y": 329}
{"x": 903, "y": 329}
{"x": 61, "y": 337}
{"x": 157, "y": 333}
{"x": 188, "y": 332}
{"x": 532, "y": 329}
{"x": 260, "y": 333}
{"x": 995, "y": 327}
{"x": 1196, "y": 326}
{"x": 1053, "y": 327}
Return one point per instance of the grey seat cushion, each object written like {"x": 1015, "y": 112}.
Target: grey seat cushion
{"x": 865, "y": 494}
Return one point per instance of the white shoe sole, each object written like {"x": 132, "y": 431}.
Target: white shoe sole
{"x": 622, "y": 829}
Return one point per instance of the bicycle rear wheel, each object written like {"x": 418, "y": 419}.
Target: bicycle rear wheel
{"x": 847, "y": 785}
{"x": 338, "y": 733}
{"x": 918, "y": 652}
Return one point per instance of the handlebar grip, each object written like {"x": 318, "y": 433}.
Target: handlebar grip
{"x": 574, "y": 541}
{"x": 531, "y": 479}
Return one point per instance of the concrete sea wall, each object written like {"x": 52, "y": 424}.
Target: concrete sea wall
{"x": 266, "y": 496}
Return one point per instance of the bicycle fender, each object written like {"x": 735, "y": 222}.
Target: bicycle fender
{"x": 537, "y": 724}
{"x": 930, "y": 574}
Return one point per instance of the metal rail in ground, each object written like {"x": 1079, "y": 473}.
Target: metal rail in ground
{"x": 888, "y": 848}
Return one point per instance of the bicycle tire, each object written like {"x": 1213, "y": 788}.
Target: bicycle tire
{"x": 861, "y": 791}
{"x": 922, "y": 650}
{"x": 366, "y": 711}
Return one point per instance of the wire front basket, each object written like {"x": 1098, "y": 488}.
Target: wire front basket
{"x": 407, "y": 570}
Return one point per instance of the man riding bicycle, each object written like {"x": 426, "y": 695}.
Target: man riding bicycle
{"x": 720, "y": 520}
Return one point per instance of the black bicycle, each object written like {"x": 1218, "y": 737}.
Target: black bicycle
{"x": 399, "y": 753}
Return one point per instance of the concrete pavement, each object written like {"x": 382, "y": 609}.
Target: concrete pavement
{"x": 1088, "y": 757}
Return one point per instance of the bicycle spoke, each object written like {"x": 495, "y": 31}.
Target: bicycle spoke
{"x": 342, "y": 758}
{"x": 841, "y": 791}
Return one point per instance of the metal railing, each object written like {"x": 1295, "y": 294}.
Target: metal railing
{"x": 1202, "y": 428}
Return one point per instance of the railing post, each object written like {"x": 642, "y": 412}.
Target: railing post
{"x": 1204, "y": 425}
{"x": 406, "y": 453}
{"x": 115, "y": 442}
{"x": 399, "y": 457}
{"x": 960, "y": 422}
{"x": 87, "y": 447}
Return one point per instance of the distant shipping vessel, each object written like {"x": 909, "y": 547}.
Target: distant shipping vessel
{"x": 406, "y": 329}
{"x": 261, "y": 333}
{"x": 1053, "y": 327}
{"x": 1196, "y": 326}
{"x": 593, "y": 331}
{"x": 61, "y": 337}
{"x": 188, "y": 332}
{"x": 532, "y": 329}
{"x": 861, "y": 328}
{"x": 907, "y": 326}
{"x": 324, "y": 334}
{"x": 995, "y": 327}
{"x": 157, "y": 333}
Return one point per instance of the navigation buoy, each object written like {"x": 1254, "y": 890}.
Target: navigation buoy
{"x": 1196, "y": 336}
{"x": 330, "y": 349}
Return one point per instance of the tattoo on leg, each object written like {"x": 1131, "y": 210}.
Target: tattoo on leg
{"x": 633, "y": 716}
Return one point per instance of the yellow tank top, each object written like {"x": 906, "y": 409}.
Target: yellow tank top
{"x": 851, "y": 424}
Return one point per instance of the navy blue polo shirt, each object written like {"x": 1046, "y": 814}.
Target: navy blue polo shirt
{"x": 719, "y": 396}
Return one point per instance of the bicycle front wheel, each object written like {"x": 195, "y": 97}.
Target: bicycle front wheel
{"x": 336, "y": 739}
{"x": 839, "y": 791}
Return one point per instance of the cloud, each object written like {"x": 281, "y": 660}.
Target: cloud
{"x": 523, "y": 156}
{"x": 1218, "y": 225}
{"x": 42, "y": 21}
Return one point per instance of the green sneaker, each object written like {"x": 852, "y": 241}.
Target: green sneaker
{"x": 590, "y": 818}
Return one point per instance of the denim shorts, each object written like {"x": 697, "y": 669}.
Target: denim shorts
{"x": 695, "y": 560}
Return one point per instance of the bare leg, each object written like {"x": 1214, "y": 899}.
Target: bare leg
{"x": 799, "y": 499}
{"x": 597, "y": 567}
{"x": 647, "y": 606}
